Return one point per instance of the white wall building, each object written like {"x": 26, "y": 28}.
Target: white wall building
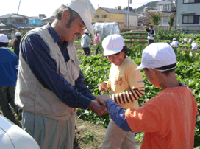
{"x": 166, "y": 8}
{"x": 188, "y": 14}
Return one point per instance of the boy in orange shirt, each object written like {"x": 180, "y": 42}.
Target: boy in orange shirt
{"x": 168, "y": 119}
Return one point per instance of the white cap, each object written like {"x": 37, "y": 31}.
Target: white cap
{"x": 158, "y": 56}
{"x": 86, "y": 11}
{"x": 174, "y": 39}
{"x": 3, "y": 38}
{"x": 18, "y": 34}
{"x": 86, "y": 31}
{"x": 113, "y": 44}
{"x": 13, "y": 136}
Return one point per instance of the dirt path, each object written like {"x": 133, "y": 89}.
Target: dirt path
{"x": 89, "y": 136}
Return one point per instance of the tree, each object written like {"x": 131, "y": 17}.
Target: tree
{"x": 171, "y": 21}
{"x": 155, "y": 18}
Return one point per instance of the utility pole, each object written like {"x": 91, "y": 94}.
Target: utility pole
{"x": 19, "y": 6}
{"x": 129, "y": 1}
{"x": 128, "y": 15}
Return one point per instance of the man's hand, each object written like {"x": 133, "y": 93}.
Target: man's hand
{"x": 102, "y": 98}
{"x": 103, "y": 86}
{"x": 97, "y": 108}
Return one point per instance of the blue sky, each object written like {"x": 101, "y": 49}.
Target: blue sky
{"x": 47, "y": 7}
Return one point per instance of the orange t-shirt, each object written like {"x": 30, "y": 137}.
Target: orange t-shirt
{"x": 168, "y": 119}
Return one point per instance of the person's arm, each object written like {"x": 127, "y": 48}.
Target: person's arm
{"x": 136, "y": 85}
{"x": 13, "y": 45}
{"x": 144, "y": 119}
{"x": 128, "y": 96}
{"x": 36, "y": 54}
{"x": 147, "y": 29}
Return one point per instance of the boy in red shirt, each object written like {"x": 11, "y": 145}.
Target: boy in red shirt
{"x": 168, "y": 119}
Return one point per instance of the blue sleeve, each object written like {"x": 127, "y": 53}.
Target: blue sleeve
{"x": 36, "y": 54}
{"x": 14, "y": 61}
{"x": 82, "y": 88}
{"x": 117, "y": 114}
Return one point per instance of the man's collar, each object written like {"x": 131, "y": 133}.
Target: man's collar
{"x": 56, "y": 37}
{"x": 53, "y": 33}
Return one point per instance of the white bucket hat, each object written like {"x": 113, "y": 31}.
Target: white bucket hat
{"x": 18, "y": 34}
{"x": 3, "y": 38}
{"x": 160, "y": 56}
{"x": 113, "y": 44}
{"x": 86, "y": 11}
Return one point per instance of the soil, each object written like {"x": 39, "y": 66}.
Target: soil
{"x": 88, "y": 135}
{"x": 98, "y": 132}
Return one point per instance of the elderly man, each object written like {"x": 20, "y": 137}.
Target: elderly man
{"x": 50, "y": 83}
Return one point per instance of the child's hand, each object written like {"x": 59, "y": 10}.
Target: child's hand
{"x": 102, "y": 98}
{"x": 103, "y": 86}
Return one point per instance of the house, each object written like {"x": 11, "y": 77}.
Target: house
{"x": 36, "y": 21}
{"x": 14, "y": 20}
{"x": 47, "y": 20}
{"x": 166, "y": 8}
{"x": 115, "y": 15}
{"x": 188, "y": 15}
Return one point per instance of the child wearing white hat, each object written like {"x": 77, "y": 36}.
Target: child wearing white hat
{"x": 194, "y": 45}
{"x": 168, "y": 119}
{"x": 126, "y": 85}
{"x": 175, "y": 43}
{"x": 13, "y": 137}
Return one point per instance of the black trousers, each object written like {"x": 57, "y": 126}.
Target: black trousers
{"x": 7, "y": 96}
{"x": 87, "y": 51}
{"x": 97, "y": 50}
{"x": 150, "y": 41}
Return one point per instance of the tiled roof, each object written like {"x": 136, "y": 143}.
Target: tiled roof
{"x": 13, "y": 15}
{"x": 164, "y": 2}
{"x": 112, "y": 10}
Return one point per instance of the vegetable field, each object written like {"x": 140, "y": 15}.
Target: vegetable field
{"x": 96, "y": 69}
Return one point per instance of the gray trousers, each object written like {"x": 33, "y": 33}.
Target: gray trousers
{"x": 49, "y": 133}
{"x": 7, "y": 96}
{"x": 117, "y": 138}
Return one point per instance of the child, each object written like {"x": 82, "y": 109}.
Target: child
{"x": 126, "y": 85}
{"x": 14, "y": 137}
{"x": 168, "y": 119}
{"x": 151, "y": 35}
{"x": 194, "y": 45}
{"x": 96, "y": 41}
{"x": 175, "y": 43}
